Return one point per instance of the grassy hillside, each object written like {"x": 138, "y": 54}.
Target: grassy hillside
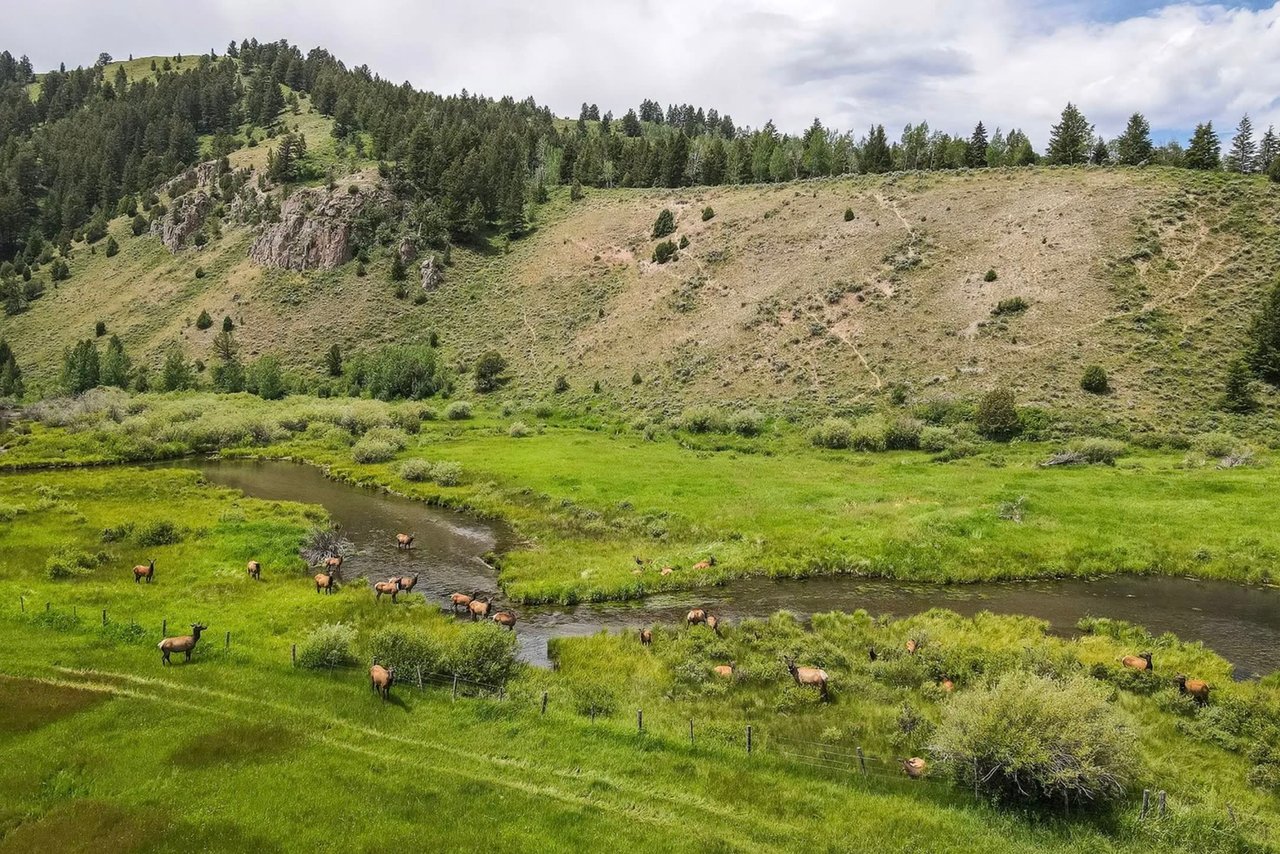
{"x": 778, "y": 299}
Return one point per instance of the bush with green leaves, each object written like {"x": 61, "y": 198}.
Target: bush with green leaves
{"x": 868, "y": 435}
{"x": 415, "y": 470}
{"x": 664, "y": 252}
{"x": 519, "y": 430}
{"x": 1094, "y": 380}
{"x": 664, "y": 224}
{"x": 1010, "y": 305}
{"x": 707, "y": 213}
{"x": 1215, "y": 444}
{"x": 409, "y": 649}
{"x": 702, "y": 419}
{"x": 934, "y": 438}
{"x": 204, "y": 321}
{"x": 1036, "y": 740}
{"x": 835, "y": 433}
{"x": 902, "y": 434}
{"x": 161, "y": 532}
{"x": 70, "y": 562}
{"x": 747, "y": 422}
{"x": 1099, "y": 450}
{"x": 372, "y": 450}
{"x": 459, "y": 410}
{"x": 447, "y": 473}
{"x": 329, "y": 645}
{"x": 990, "y": 276}
{"x": 997, "y": 415}
{"x": 848, "y": 214}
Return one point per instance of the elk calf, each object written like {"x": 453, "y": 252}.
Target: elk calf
{"x": 505, "y": 618}
{"x": 325, "y": 581}
{"x": 646, "y": 637}
{"x": 479, "y": 609}
{"x": 404, "y": 541}
{"x": 392, "y": 588}
{"x": 406, "y": 583}
{"x": 461, "y": 600}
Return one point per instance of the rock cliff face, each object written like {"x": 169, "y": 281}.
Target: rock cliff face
{"x": 314, "y": 231}
{"x": 185, "y": 217}
{"x": 432, "y": 273}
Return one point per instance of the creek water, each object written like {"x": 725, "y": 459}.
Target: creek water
{"x": 1240, "y": 623}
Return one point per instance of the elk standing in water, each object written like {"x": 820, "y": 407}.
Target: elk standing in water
{"x": 697, "y": 615}
{"x": 381, "y": 679}
{"x": 255, "y": 570}
{"x": 183, "y": 644}
{"x": 148, "y": 572}
{"x": 461, "y": 600}
{"x": 809, "y": 676}
{"x": 479, "y": 609}
{"x": 646, "y": 637}
{"x": 404, "y": 541}
{"x": 326, "y": 581}
{"x": 406, "y": 583}
{"x": 1141, "y": 661}
{"x": 391, "y": 588}
{"x": 505, "y": 618}
{"x": 334, "y": 565}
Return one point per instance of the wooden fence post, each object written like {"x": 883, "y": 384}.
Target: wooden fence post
{"x": 75, "y": 612}
{"x": 639, "y": 720}
{"x": 593, "y": 714}
{"x": 419, "y": 677}
{"x": 1161, "y": 801}
{"x": 544, "y": 702}
{"x": 691, "y": 732}
{"x": 104, "y": 616}
{"x": 975, "y": 776}
{"x": 862, "y": 762}
{"x": 46, "y": 607}
{"x": 295, "y": 655}
{"x": 1146, "y": 802}
{"x": 164, "y": 628}
{"x": 22, "y": 604}
{"x": 455, "y": 686}
{"x": 228, "y": 643}
{"x": 748, "y": 739}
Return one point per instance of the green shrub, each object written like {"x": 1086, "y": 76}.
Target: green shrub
{"x": 447, "y": 473}
{"x": 1215, "y": 444}
{"x": 519, "y": 430}
{"x": 997, "y": 416}
{"x": 329, "y": 645}
{"x": 69, "y": 562}
{"x": 664, "y": 224}
{"x": 664, "y": 252}
{"x": 702, "y": 419}
{"x": 561, "y": 385}
{"x": 408, "y": 649}
{"x": 483, "y": 652}
{"x": 832, "y": 433}
{"x": 934, "y": 438}
{"x": 746, "y": 422}
{"x": 1037, "y": 740}
{"x": 116, "y": 533}
{"x": 415, "y": 470}
{"x": 204, "y": 321}
{"x": 113, "y": 247}
{"x": 903, "y": 434}
{"x": 848, "y": 214}
{"x": 1010, "y": 305}
{"x": 162, "y": 532}
{"x": 868, "y": 435}
{"x": 990, "y": 276}
{"x": 684, "y": 241}
{"x": 707, "y": 213}
{"x": 1094, "y": 380}
{"x": 372, "y": 451}
{"x": 1098, "y": 450}
{"x": 392, "y": 436}
{"x": 459, "y": 410}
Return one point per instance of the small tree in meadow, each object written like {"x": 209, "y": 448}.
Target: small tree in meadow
{"x": 1095, "y": 380}
{"x": 489, "y": 370}
{"x": 997, "y": 415}
{"x": 664, "y": 224}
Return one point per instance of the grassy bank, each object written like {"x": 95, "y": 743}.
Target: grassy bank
{"x": 588, "y": 496}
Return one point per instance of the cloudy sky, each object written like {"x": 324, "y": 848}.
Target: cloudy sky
{"x": 1011, "y": 63}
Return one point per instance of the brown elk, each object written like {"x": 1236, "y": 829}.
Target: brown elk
{"x": 406, "y": 583}
{"x": 326, "y": 581}
{"x": 148, "y": 572}
{"x": 392, "y": 588}
{"x": 913, "y": 646}
{"x": 646, "y": 637}
{"x": 255, "y": 570}
{"x": 404, "y": 541}
{"x": 505, "y": 618}
{"x": 809, "y": 676}
{"x": 947, "y": 686}
{"x": 713, "y": 623}
{"x": 705, "y": 564}
{"x": 1197, "y": 688}
{"x": 1141, "y": 661}
{"x": 667, "y": 570}
{"x": 915, "y": 767}
{"x": 479, "y": 609}
{"x": 333, "y": 563}
{"x": 697, "y": 615}
{"x": 183, "y": 644}
{"x": 724, "y": 671}
{"x": 381, "y": 679}
{"x": 461, "y": 600}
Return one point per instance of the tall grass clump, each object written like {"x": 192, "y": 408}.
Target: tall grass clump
{"x": 702, "y": 419}
{"x": 372, "y": 451}
{"x": 459, "y": 410}
{"x": 746, "y": 422}
{"x": 329, "y": 645}
{"x": 835, "y": 433}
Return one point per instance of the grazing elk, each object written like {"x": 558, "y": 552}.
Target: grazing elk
{"x": 461, "y": 600}
{"x": 646, "y": 637}
{"x": 667, "y": 570}
{"x": 148, "y": 572}
{"x": 913, "y": 646}
{"x": 255, "y": 570}
{"x": 724, "y": 671}
{"x": 915, "y": 767}
{"x": 505, "y": 618}
{"x": 809, "y": 676}
{"x": 479, "y": 609}
{"x": 1197, "y": 688}
{"x": 404, "y": 541}
{"x": 183, "y": 644}
{"x": 1141, "y": 661}
{"x": 713, "y": 623}
{"x": 705, "y": 564}
{"x": 391, "y": 588}
{"x": 406, "y": 583}
{"x": 333, "y": 563}
{"x": 326, "y": 581}
{"x": 697, "y": 615}
{"x": 381, "y": 679}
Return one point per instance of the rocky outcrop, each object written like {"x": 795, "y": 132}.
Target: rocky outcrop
{"x": 432, "y": 273}
{"x": 408, "y": 250}
{"x": 185, "y": 217}
{"x": 314, "y": 230}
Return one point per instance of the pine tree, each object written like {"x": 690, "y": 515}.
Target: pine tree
{"x": 1243, "y": 153}
{"x": 333, "y": 361}
{"x": 398, "y": 273}
{"x": 1204, "y": 151}
{"x": 1237, "y": 392}
{"x": 176, "y": 375}
{"x": 80, "y": 370}
{"x": 631, "y": 124}
{"x": 227, "y": 325}
{"x": 1133, "y": 147}
{"x": 112, "y": 247}
{"x": 876, "y": 156}
{"x": 1070, "y": 138}
{"x": 1268, "y": 150}
{"x": 1264, "y": 339}
{"x": 976, "y": 155}
{"x": 115, "y": 364}
{"x": 1100, "y": 155}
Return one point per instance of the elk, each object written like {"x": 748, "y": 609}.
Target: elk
{"x": 326, "y": 581}
{"x": 697, "y": 615}
{"x": 404, "y": 541}
{"x": 724, "y": 671}
{"x": 913, "y": 646}
{"x": 255, "y": 570}
{"x": 947, "y": 686}
{"x": 872, "y": 655}
{"x": 334, "y": 564}
{"x": 705, "y": 564}
{"x": 713, "y": 623}
{"x": 1197, "y": 688}
{"x": 148, "y": 572}
{"x": 505, "y": 618}
{"x": 646, "y": 637}
{"x": 381, "y": 679}
{"x": 479, "y": 609}
{"x": 461, "y": 600}
{"x": 667, "y": 570}
{"x": 406, "y": 583}
{"x": 915, "y": 767}
{"x": 183, "y": 644}
{"x": 808, "y": 676}
{"x": 1141, "y": 661}
{"x": 391, "y": 588}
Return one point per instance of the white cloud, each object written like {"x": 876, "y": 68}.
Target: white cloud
{"x": 852, "y": 63}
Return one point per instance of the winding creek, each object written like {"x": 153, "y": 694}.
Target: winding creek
{"x": 1241, "y": 623}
